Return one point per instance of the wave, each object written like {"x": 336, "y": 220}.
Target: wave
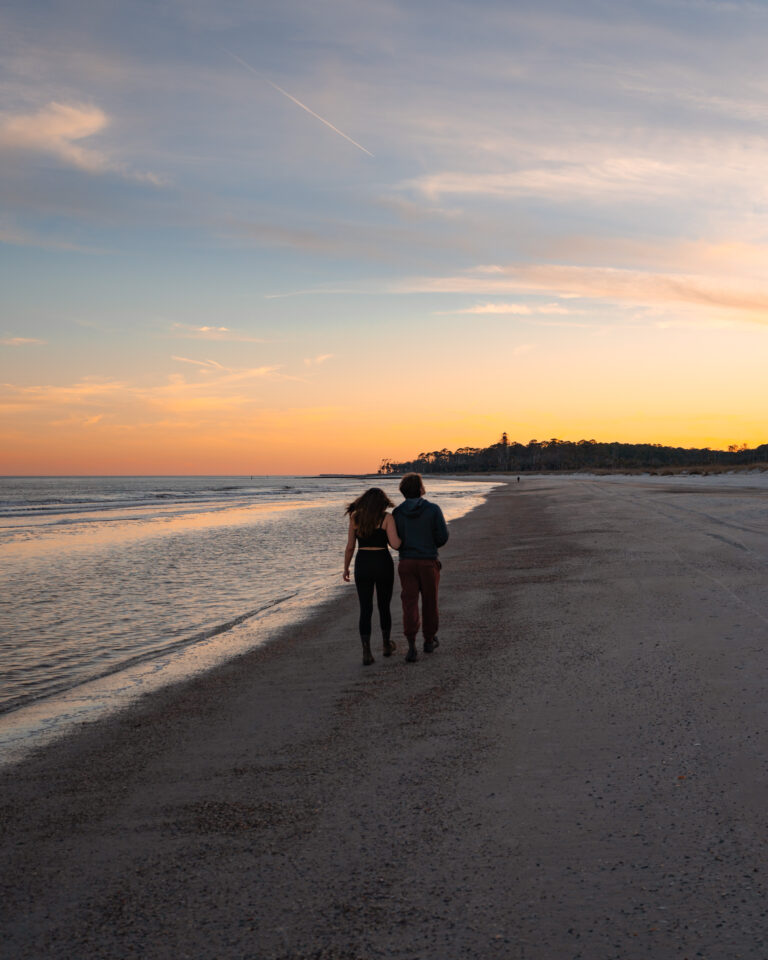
{"x": 31, "y": 504}
{"x": 155, "y": 653}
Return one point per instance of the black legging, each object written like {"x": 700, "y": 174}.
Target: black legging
{"x": 374, "y": 568}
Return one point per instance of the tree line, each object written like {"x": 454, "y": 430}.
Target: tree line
{"x": 542, "y": 455}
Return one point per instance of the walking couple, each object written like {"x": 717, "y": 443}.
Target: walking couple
{"x": 416, "y": 529}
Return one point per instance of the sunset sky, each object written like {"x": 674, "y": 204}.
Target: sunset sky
{"x": 270, "y": 236}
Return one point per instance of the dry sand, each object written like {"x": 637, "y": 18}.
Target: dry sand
{"x": 578, "y": 772}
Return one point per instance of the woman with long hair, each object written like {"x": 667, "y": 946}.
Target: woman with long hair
{"x": 374, "y": 531}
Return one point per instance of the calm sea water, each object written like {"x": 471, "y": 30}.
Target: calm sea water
{"x": 102, "y": 574}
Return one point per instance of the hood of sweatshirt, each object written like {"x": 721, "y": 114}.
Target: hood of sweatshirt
{"x": 413, "y": 507}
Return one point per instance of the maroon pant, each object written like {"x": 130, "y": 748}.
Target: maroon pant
{"x": 419, "y": 577}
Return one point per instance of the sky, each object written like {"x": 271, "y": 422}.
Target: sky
{"x": 284, "y": 236}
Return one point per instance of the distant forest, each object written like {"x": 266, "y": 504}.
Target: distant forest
{"x": 539, "y": 455}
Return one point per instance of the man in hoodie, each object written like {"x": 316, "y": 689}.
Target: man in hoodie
{"x": 421, "y": 528}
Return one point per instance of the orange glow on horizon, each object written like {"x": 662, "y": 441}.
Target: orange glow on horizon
{"x": 335, "y": 446}
{"x": 204, "y": 418}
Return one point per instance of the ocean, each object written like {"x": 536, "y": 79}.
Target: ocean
{"x": 113, "y": 586}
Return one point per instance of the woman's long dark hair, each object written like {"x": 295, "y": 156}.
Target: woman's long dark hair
{"x": 368, "y": 510}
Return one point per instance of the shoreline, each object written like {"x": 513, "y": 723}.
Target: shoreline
{"x": 40, "y": 722}
{"x": 577, "y": 771}
{"x": 37, "y": 718}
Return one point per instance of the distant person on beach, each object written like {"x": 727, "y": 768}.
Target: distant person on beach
{"x": 374, "y": 531}
{"x": 422, "y": 529}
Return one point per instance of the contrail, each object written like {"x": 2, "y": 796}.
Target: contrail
{"x": 300, "y": 104}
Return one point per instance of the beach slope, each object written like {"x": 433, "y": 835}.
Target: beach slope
{"x": 579, "y": 771}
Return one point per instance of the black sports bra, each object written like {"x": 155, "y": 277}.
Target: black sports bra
{"x": 377, "y": 539}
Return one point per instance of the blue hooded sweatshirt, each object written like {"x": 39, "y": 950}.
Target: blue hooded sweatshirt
{"x": 421, "y": 526}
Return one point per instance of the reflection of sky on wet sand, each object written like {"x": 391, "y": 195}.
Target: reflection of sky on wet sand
{"x": 108, "y": 607}
{"x": 32, "y": 726}
{"x": 88, "y": 597}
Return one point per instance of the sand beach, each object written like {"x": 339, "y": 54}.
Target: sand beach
{"x": 578, "y": 772}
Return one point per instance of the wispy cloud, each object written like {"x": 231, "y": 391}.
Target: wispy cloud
{"x": 619, "y": 286}
{"x": 513, "y": 309}
{"x": 85, "y": 392}
{"x": 484, "y": 309}
{"x": 19, "y": 341}
{"x": 57, "y": 129}
{"x": 672, "y": 167}
{"x": 748, "y": 105}
{"x": 316, "y": 361}
{"x": 619, "y": 176}
{"x": 78, "y": 420}
{"x": 349, "y": 288}
{"x": 191, "y": 332}
{"x": 205, "y": 329}
{"x": 205, "y": 364}
{"x": 220, "y": 389}
{"x": 228, "y": 375}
